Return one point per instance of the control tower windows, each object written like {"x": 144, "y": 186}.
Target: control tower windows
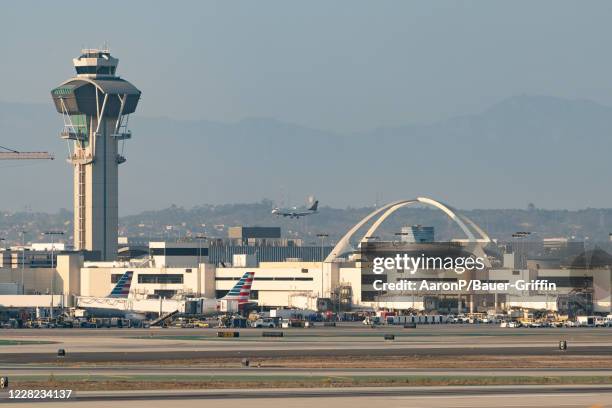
{"x": 99, "y": 70}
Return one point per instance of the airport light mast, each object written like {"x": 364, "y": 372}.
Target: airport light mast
{"x": 95, "y": 105}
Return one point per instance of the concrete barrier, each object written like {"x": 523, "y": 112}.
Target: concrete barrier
{"x": 272, "y": 334}
{"x": 228, "y": 334}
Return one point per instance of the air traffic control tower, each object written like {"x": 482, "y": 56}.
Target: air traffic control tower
{"x": 95, "y": 105}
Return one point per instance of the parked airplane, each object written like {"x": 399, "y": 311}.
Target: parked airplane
{"x": 237, "y": 298}
{"x": 295, "y": 212}
{"x": 121, "y": 290}
{"x": 113, "y": 305}
{"x": 242, "y": 289}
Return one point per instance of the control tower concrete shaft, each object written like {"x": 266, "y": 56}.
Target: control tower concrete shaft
{"x": 95, "y": 105}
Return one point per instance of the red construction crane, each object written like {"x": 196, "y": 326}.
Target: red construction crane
{"x": 10, "y": 154}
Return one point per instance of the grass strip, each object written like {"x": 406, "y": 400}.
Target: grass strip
{"x": 9, "y": 342}
{"x": 146, "y": 382}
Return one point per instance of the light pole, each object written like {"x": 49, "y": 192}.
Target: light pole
{"x": 23, "y": 233}
{"x": 53, "y": 234}
{"x": 322, "y": 236}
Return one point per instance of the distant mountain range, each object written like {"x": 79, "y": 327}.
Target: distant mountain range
{"x": 550, "y": 151}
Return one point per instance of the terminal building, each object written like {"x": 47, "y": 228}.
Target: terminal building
{"x": 254, "y": 235}
{"x": 183, "y": 270}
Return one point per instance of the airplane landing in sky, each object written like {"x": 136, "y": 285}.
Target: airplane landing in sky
{"x": 295, "y": 212}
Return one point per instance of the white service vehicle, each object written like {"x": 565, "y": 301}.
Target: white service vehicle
{"x": 264, "y": 323}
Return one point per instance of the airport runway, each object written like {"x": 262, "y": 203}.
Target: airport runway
{"x": 424, "y": 397}
{"x": 149, "y": 345}
{"x": 153, "y": 355}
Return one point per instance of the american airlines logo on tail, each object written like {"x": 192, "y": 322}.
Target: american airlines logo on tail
{"x": 122, "y": 288}
{"x": 241, "y": 290}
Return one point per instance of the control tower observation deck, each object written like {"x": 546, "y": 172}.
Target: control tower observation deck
{"x": 95, "y": 105}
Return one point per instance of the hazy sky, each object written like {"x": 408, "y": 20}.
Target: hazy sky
{"x": 343, "y": 66}
{"x": 337, "y": 65}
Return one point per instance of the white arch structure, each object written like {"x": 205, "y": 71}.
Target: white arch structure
{"x": 471, "y": 230}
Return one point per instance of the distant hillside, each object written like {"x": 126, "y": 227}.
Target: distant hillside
{"x": 213, "y": 221}
{"x": 592, "y": 223}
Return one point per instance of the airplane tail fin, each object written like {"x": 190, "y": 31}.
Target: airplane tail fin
{"x": 314, "y": 206}
{"x": 122, "y": 288}
{"x": 241, "y": 290}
